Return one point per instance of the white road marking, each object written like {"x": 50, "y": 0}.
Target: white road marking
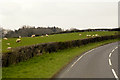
{"x": 110, "y": 62}
{"x": 113, "y": 50}
{"x": 115, "y": 75}
{"x": 76, "y": 61}
{"x": 79, "y": 59}
{"x": 116, "y": 47}
{"x": 110, "y": 55}
{"x": 85, "y": 54}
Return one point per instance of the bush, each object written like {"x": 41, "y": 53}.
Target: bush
{"x": 26, "y": 52}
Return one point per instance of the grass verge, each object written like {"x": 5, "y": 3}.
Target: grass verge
{"x": 47, "y": 65}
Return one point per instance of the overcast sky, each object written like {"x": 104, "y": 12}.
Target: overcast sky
{"x": 65, "y": 14}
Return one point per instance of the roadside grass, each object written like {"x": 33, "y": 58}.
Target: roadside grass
{"x": 52, "y": 38}
{"x": 47, "y": 65}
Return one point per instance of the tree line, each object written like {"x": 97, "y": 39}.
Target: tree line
{"x": 27, "y": 31}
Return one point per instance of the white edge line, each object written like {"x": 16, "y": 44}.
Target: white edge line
{"x": 110, "y": 62}
{"x": 115, "y": 74}
{"x": 79, "y": 59}
{"x": 76, "y": 61}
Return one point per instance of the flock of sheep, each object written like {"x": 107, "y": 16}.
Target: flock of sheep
{"x": 19, "y": 39}
{"x": 96, "y": 35}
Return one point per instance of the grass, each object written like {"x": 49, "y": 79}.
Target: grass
{"x": 52, "y": 38}
{"x": 47, "y": 65}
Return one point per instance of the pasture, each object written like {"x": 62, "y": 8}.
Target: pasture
{"x": 51, "y": 38}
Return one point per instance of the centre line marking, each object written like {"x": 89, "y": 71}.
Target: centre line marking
{"x": 110, "y": 54}
{"x": 115, "y": 74}
{"x": 113, "y": 50}
{"x": 116, "y": 47}
{"x": 110, "y": 62}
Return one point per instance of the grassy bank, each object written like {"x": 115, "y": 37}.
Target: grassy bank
{"x": 47, "y": 65}
{"x": 52, "y": 38}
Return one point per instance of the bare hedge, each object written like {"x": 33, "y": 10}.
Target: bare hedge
{"x": 26, "y": 52}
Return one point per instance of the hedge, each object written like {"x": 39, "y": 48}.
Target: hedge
{"x": 26, "y": 52}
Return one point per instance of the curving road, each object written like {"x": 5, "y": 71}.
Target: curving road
{"x": 101, "y": 62}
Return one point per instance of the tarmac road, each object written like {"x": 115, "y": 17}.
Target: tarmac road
{"x": 101, "y": 62}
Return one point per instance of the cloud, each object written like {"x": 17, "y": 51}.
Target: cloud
{"x": 65, "y": 14}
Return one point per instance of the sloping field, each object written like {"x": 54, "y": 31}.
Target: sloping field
{"x": 52, "y": 38}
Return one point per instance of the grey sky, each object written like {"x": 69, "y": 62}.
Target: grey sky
{"x": 66, "y": 14}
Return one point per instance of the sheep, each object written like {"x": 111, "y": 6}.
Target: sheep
{"x": 42, "y": 36}
{"x": 18, "y": 40}
{"x": 96, "y": 34}
{"x": 9, "y": 48}
{"x": 47, "y": 35}
{"x": 8, "y": 43}
{"x": 19, "y": 36}
{"x": 93, "y": 35}
{"x": 5, "y": 38}
{"x": 33, "y": 36}
{"x": 80, "y": 34}
{"x": 88, "y": 35}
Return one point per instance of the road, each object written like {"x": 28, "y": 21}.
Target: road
{"x": 100, "y": 62}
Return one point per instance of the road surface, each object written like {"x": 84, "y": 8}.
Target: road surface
{"x": 101, "y": 62}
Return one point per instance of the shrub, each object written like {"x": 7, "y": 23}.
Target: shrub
{"x": 26, "y": 52}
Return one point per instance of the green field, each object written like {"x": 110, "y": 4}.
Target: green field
{"x": 47, "y": 65}
{"x": 52, "y": 38}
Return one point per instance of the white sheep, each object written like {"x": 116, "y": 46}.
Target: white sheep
{"x": 42, "y": 36}
{"x": 93, "y": 35}
{"x": 9, "y": 48}
{"x": 96, "y": 34}
{"x": 33, "y": 36}
{"x": 8, "y": 43}
{"x": 18, "y": 40}
{"x": 19, "y": 36}
{"x": 47, "y": 35}
{"x": 5, "y": 38}
{"x": 87, "y": 35}
{"x": 80, "y": 34}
